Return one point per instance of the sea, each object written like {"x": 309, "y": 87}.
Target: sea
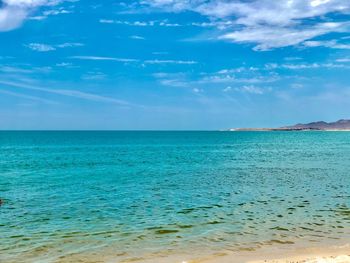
{"x": 137, "y": 196}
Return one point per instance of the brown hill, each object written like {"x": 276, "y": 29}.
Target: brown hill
{"x": 321, "y": 125}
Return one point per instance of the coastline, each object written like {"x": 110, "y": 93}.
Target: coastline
{"x": 340, "y": 125}
{"x": 340, "y": 254}
{"x": 286, "y": 130}
{"x": 275, "y": 254}
{"x": 331, "y": 254}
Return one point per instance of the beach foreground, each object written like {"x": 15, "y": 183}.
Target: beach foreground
{"x": 163, "y": 197}
{"x": 333, "y": 254}
{"x": 273, "y": 254}
{"x": 306, "y": 259}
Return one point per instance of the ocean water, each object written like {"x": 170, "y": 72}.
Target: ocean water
{"x": 135, "y": 196}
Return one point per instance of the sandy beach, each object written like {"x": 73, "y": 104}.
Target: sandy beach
{"x": 276, "y": 254}
{"x": 305, "y": 259}
{"x": 332, "y": 254}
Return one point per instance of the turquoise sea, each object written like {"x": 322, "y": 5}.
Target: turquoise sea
{"x": 135, "y": 196}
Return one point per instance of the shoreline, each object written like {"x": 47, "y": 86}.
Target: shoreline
{"x": 330, "y": 254}
{"x": 275, "y": 254}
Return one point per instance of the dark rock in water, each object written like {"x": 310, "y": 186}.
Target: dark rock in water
{"x": 1, "y": 202}
{"x": 166, "y": 231}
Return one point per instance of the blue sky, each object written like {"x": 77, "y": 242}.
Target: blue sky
{"x": 165, "y": 64}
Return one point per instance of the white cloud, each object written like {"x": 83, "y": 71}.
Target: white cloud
{"x": 56, "y": 12}
{"x": 14, "y": 12}
{"x": 181, "y": 62}
{"x": 218, "y": 24}
{"x": 178, "y": 79}
{"x": 160, "y": 53}
{"x": 343, "y": 60}
{"x": 29, "y": 3}
{"x": 129, "y": 60}
{"x": 137, "y": 37}
{"x": 301, "y": 66}
{"x": 68, "y": 44}
{"x": 45, "y": 47}
{"x": 230, "y": 74}
{"x": 94, "y": 76}
{"x": 11, "y": 17}
{"x": 173, "y": 82}
{"x": 196, "y": 90}
{"x": 167, "y": 24}
{"x": 24, "y": 69}
{"x": 330, "y": 44}
{"x": 163, "y": 23}
{"x": 233, "y": 79}
{"x": 37, "y": 18}
{"x": 283, "y": 12}
{"x": 64, "y": 64}
{"x": 292, "y": 58}
{"x": 52, "y": 12}
{"x": 265, "y": 23}
{"x": 276, "y": 37}
{"x": 297, "y": 86}
{"x": 227, "y": 89}
{"x": 105, "y": 58}
{"x": 106, "y": 21}
{"x": 40, "y": 47}
{"x": 252, "y": 89}
{"x": 216, "y": 79}
{"x": 238, "y": 70}
{"x": 128, "y": 23}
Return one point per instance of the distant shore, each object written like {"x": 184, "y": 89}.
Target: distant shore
{"x": 340, "y": 125}
{"x": 287, "y": 129}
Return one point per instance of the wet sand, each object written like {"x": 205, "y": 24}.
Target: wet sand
{"x": 276, "y": 254}
{"x": 303, "y": 259}
{"x": 331, "y": 254}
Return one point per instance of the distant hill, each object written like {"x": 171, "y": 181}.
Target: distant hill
{"x": 322, "y": 125}
{"x": 341, "y": 125}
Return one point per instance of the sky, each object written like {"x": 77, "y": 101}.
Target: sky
{"x": 172, "y": 65}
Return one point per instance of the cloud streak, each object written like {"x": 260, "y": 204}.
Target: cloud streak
{"x": 330, "y": 44}
{"x": 23, "y": 96}
{"x": 104, "y": 58}
{"x": 179, "y": 62}
{"x": 68, "y": 93}
{"x": 252, "y": 90}
{"x": 151, "y": 23}
{"x": 127, "y": 60}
